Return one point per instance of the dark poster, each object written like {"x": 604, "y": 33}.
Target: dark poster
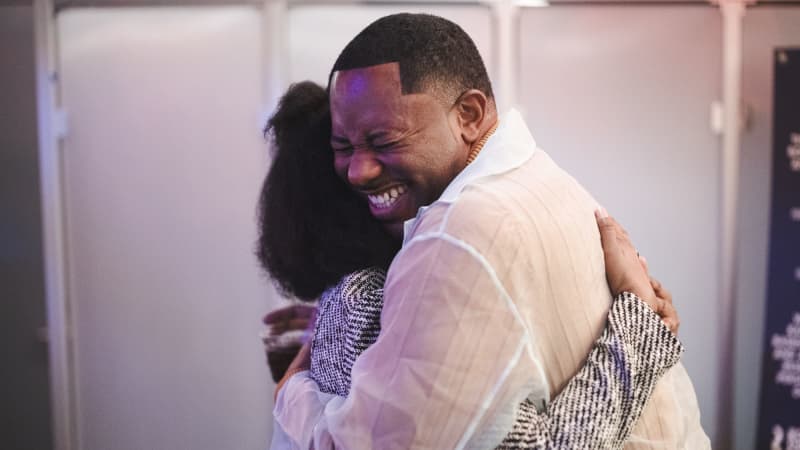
{"x": 779, "y": 418}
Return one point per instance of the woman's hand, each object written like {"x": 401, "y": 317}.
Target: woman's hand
{"x": 667, "y": 311}
{"x": 627, "y": 272}
{"x": 281, "y": 339}
{"x": 293, "y": 317}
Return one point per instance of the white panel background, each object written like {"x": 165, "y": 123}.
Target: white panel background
{"x": 162, "y": 166}
{"x": 317, "y": 33}
{"x": 620, "y": 97}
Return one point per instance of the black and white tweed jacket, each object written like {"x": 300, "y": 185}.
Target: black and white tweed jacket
{"x": 597, "y": 409}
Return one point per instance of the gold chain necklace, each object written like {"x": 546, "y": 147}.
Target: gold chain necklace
{"x": 478, "y": 146}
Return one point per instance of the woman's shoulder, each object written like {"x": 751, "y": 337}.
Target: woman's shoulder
{"x": 365, "y": 285}
{"x": 363, "y": 282}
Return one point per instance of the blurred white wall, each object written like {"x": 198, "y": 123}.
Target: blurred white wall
{"x": 162, "y": 168}
{"x": 317, "y": 33}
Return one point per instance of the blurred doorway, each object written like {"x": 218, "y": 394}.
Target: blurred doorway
{"x": 25, "y": 388}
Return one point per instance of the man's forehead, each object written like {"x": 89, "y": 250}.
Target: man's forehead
{"x": 380, "y": 78}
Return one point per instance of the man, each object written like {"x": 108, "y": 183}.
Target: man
{"x": 499, "y": 290}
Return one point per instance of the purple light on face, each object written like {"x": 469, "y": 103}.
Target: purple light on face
{"x": 365, "y": 83}
{"x": 354, "y": 87}
{"x": 357, "y": 85}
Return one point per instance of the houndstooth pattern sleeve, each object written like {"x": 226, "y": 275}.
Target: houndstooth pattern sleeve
{"x": 602, "y": 402}
{"x": 351, "y": 308}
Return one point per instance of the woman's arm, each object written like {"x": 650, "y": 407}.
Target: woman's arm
{"x": 600, "y": 405}
{"x": 602, "y": 402}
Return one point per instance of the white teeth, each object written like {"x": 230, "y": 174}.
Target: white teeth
{"x": 387, "y": 198}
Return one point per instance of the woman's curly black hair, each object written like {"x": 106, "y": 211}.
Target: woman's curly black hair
{"x": 313, "y": 229}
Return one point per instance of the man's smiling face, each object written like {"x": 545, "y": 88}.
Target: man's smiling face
{"x": 399, "y": 151}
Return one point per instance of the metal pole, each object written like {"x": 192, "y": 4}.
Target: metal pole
{"x": 275, "y": 60}
{"x": 505, "y": 14}
{"x": 732, "y": 14}
{"x": 62, "y": 385}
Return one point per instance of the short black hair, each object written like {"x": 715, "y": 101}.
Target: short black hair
{"x": 434, "y": 54}
{"x": 313, "y": 229}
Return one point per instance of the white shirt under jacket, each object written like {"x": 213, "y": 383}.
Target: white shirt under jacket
{"x": 498, "y": 293}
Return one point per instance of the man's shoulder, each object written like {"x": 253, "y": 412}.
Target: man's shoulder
{"x": 526, "y": 204}
{"x": 476, "y": 211}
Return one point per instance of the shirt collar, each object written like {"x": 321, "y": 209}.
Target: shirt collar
{"x": 508, "y": 148}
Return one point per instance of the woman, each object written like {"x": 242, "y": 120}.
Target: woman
{"x": 317, "y": 238}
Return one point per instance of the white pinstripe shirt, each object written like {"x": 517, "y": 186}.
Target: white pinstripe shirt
{"x": 497, "y": 295}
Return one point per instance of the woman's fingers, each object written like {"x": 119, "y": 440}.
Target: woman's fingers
{"x": 608, "y": 232}
{"x": 669, "y": 315}
{"x": 297, "y": 311}
{"x": 615, "y": 244}
{"x": 612, "y": 236}
{"x": 656, "y": 284}
{"x": 627, "y": 271}
{"x": 289, "y": 318}
{"x": 666, "y": 310}
{"x": 623, "y": 239}
{"x": 643, "y": 262}
{"x": 622, "y": 234}
{"x": 660, "y": 290}
{"x": 624, "y": 269}
{"x": 295, "y": 324}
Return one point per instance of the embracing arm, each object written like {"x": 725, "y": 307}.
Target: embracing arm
{"x": 601, "y": 403}
{"x": 453, "y": 359}
{"x": 453, "y": 362}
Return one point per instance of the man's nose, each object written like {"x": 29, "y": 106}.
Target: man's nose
{"x": 363, "y": 168}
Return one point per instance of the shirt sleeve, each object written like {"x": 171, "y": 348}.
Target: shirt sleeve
{"x": 602, "y": 402}
{"x": 452, "y": 362}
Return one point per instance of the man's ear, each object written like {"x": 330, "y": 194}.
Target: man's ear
{"x": 472, "y": 113}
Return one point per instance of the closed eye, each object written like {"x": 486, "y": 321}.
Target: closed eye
{"x": 340, "y": 144}
{"x": 343, "y": 149}
{"x": 383, "y": 146}
{"x": 387, "y": 145}
{"x": 383, "y": 140}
